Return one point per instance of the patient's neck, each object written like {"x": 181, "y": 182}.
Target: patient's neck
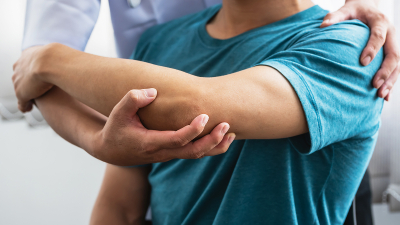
{"x": 239, "y": 16}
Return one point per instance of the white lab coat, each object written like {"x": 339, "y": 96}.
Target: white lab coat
{"x": 71, "y": 22}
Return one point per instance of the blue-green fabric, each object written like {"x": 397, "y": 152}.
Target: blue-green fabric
{"x": 308, "y": 179}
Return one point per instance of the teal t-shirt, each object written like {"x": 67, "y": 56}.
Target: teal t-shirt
{"x": 307, "y": 179}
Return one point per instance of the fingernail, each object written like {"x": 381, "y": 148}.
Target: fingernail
{"x": 385, "y": 92}
{"x": 366, "y": 60}
{"x": 150, "y": 92}
{"x": 225, "y": 129}
{"x": 379, "y": 83}
{"x": 231, "y": 138}
{"x": 325, "y": 21}
{"x": 205, "y": 120}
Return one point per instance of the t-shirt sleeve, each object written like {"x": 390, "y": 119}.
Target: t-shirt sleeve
{"x": 334, "y": 89}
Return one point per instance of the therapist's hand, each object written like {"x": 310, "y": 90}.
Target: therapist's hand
{"x": 125, "y": 141}
{"x": 382, "y": 34}
{"x": 27, "y": 85}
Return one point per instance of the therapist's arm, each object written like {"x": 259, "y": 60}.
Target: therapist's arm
{"x": 383, "y": 33}
{"x": 258, "y": 103}
{"x": 121, "y": 139}
{"x": 67, "y": 22}
{"x": 72, "y": 120}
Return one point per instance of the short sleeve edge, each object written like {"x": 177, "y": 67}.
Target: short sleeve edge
{"x": 308, "y": 102}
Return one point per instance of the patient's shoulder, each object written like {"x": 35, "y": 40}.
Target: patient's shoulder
{"x": 350, "y": 33}
{"x": 353, "y": 31}
{"x": 341, "y": 43}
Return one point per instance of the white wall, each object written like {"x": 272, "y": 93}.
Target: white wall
{"x": 10, "y": 40}
{"x": 43, "y": 179}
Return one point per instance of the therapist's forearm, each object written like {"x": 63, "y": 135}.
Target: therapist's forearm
{"x": 72, "y": 120}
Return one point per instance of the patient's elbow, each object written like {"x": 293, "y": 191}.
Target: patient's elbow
{"x": 171, "y": 112}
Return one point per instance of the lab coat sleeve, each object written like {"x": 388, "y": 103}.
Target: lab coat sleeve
{"x": 69, "y": 22}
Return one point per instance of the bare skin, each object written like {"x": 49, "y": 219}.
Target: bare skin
{"x": 382, "y": 33}
{"x": 107, "y": 197}
{"x": 103, "y": 198}
{"x": 121, "y": 139}
{"x": 242, "y": 96}
{"x": 123, "y": 198}
{"x": 179, "y": 101}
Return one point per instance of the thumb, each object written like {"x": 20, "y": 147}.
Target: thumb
{"x": 335, "y": 17}
{"x": 134, "y": 100}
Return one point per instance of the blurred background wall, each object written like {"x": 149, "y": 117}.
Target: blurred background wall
{"x": 45, "y": 180}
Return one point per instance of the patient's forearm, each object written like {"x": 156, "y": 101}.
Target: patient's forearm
{"x": 72, "y": 120}
{"x": 258, "y": 103}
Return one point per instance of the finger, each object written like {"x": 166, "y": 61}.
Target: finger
{"x": 25, "y": 106}
{"x": 392, "y": 58}
{"x": 377, "y": 38}
{"x": 223, "y": 146}
{"x": 387, "y": 68}
{"x": 336, "y": 17}
{"x": 387, "y": 98}
{"x": 15, "y": 65}
{"x": 201, "y": 147}
{"x": 175, "y": 139}
{"x": 134, "y": 100}
{"x": 385, "y": 89}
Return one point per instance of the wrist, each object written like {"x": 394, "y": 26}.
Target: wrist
{"x": 46, "y": 57}
{"x": 94, "y": 145}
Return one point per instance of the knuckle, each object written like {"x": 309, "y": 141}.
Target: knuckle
{"x": 381, "y": 16}
{"x": 216, "y": 140}
{"x": 142, "y": 92}
{"x": 196, "y": 154}
{"x": 389, "y": 84}
{"x": 385, "y": 73}
{"x": 161, "y": 157}
{"x": 179, "y": 141}
{"x": 223, "y": 150}
{"x": 396, "y": 55}
{"x": 198, "y": 129}
{"x": 378, "y": 34}
{"x": 397, "y": 70}
{"x": 133, "y": 95}
{"x": 377, "y": 16}
{"x": 148, "y": 147}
